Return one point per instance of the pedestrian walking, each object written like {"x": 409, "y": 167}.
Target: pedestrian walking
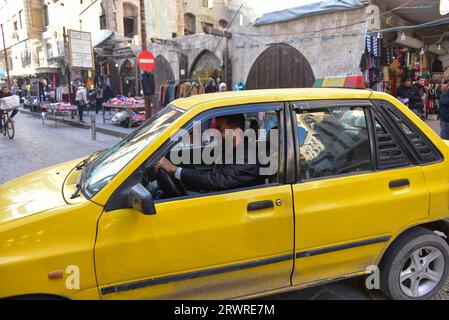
{"x": 417, "y": 96}
{"x": 223, "y": 87}
{"x": 403, "y": 92}
{"x": 444, "y": 111}
{"x": 211, "y": 86}
{"x": 81, "y": 100}
{"x": 99, "y": 98}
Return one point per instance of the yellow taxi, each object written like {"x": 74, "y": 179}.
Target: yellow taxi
{"x": 360, "y": 187}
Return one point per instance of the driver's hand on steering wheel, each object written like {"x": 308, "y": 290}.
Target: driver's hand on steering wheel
{"x": 165, "y": 164}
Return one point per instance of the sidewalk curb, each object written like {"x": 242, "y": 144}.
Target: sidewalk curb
{"x": 75, "y": 124}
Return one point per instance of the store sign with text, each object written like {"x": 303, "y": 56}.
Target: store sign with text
{"x": 80, "y": 50}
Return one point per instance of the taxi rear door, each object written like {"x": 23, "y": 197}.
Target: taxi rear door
{"x": 357, "y": 186}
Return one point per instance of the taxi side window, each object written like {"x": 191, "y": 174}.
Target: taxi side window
{"x": 334, "y": 141}
{"x": 201, "y": 152}
{"x": 424, "y": 149}
{"x": 389, "y": 152}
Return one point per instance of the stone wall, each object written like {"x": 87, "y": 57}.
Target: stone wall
{"x": 333, "y": 43}
{"x": 192, "y": 46}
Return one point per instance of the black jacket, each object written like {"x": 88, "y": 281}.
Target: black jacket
{"x": 403, "y": 92}
{"x": 239, "y": 174}
{"x": 222, "y": 177}
{"x": 416, "y": 94}
{"x": 108, "y": 93}
{"x": 444, "y": 106}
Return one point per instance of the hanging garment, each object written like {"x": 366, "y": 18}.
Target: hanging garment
{"x": 148, "y": 85}
{"x": 368, "y": 45}
{"x": 437, "y": 65}
{"x": 363, "y": 65}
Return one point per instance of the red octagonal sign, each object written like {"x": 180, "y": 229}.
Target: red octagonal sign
{"x": 146, "y": 60}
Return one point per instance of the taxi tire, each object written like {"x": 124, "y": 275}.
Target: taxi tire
{"x": 396, "y": 256}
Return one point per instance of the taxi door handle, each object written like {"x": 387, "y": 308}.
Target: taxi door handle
{"x": 399, "y": 183}
{"x": 261, "y": 205}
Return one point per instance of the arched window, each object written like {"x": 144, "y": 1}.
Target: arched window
{"x": 190, "y": 24}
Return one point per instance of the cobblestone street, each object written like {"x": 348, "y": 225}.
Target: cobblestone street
{"x": 36, "y": 146}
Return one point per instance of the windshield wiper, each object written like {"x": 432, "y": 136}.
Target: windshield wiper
{"x": 77, "y": 192}
{"x": 82, "y": 165}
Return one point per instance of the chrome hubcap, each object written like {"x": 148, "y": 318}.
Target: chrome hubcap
{"x": 422, "y": 272}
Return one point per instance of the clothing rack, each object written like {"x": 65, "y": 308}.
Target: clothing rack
{"x": 189, "y": 87}
{"x": 179, "y": 81}
{"x": 436, "y": 78}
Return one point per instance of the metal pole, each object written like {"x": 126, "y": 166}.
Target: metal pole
{"x": 93, "y": 127}
{"x": 69, "y": 73}
{"x": 6, "y": 56}
{"x": 143, "y": 30}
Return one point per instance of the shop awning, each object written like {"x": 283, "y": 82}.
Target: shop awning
{"x": 320, "y": 7}
{"x": 47, "y": 70}
{"x": 417, "y": 11}
{"x": 108, "y": 38}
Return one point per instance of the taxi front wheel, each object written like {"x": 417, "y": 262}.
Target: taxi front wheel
{"x": 416, "y": 267}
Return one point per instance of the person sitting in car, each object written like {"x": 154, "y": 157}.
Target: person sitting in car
{"x": 240, "y": 174}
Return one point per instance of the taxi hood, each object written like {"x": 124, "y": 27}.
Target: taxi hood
{"x": 34, "y": 193}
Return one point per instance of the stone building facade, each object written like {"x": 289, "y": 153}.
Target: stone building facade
{"x": 22, "y": 25}
{"x": 331, "y": 43}
{"x": 317, "y": 46}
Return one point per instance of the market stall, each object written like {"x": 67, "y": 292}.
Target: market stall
{"x": 127, "y": 112}
{"x": 395, "y": 59}
{"x": 56, "y": 109}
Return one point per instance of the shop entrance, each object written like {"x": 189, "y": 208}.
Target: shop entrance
{"x": 280, "y": 66}
{"x": 162, "y": 72}
{"x": 128, "y": 79}
{"x": 207, "y": 65}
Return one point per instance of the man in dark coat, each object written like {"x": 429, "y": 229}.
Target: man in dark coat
{"x": 404, "y": 90}
{"x": 444, "y": 112}
{"x": 239, "y": 174}
{"x": 417, "y": 95}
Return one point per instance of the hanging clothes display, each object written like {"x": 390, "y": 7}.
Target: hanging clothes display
{"x": 371, "y": 62}
{"x": 176, "y": 90}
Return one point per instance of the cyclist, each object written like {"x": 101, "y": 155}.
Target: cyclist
{"x": 6, "y": 92}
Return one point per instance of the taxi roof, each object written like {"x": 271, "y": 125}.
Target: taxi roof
{"x": 272, "y": 95}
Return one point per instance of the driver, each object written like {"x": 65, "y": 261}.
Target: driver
{"x": 223, "y": 176}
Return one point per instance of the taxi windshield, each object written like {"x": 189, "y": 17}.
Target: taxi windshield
{"x": 101, "y": 170}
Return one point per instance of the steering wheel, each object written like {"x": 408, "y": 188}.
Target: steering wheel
{"x": 171, "y": 187}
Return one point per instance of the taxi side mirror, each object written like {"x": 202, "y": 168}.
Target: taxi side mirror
{"x": 141, "y": 200}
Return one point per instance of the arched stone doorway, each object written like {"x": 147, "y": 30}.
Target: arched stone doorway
{"x": 280, "y": 66}
{"x": 162, "y": 72}
{"x": 128, "y": 82}
{"x": 207, "y": 65}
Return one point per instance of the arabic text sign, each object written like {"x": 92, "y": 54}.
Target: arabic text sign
{"x": 81, "y": 54}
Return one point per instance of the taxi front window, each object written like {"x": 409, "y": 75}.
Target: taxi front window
{"x": 106, "y": 166}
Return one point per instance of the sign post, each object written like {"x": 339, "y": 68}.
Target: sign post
{"x": 147, "y": 62}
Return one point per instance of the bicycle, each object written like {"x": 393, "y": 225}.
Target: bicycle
{"x": 7, "y": 124}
